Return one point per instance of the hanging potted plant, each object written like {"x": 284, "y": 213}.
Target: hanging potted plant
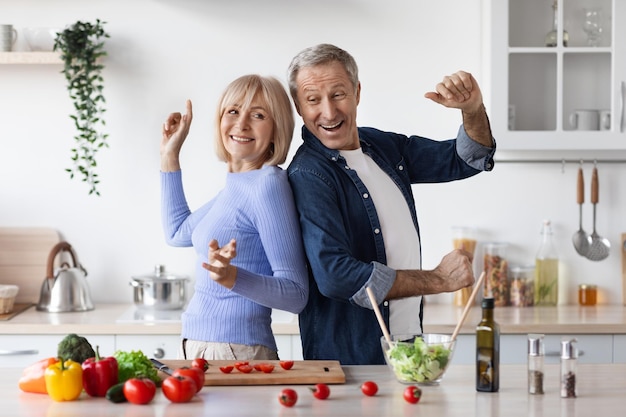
{"x": 81, "y": 45}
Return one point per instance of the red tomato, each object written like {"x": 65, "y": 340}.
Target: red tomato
{"x": 227, "y": 369}
{"x": 412, "y": 394}
{"x": 287, "y": 365}
{"x": 139, "y": 390}
{"x": 265, "y": 367}
{"x": 288, "y": 397}
{"x": 241, "y": 363}
{"x": 246, "y": 369}
{"x": 321, "y": 391}
{"x": 179, "y": 389}
{"x": 200, "y": 363}
{"x": 369, "y": 388}
{"x": 194, "y": 373}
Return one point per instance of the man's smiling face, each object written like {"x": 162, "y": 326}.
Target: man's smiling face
{"x": 327, "y": 102}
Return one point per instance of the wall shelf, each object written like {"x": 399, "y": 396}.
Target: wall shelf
{"x": 30, "y": 58}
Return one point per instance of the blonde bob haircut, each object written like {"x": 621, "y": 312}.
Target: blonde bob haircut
{"x": 273, "y": 96}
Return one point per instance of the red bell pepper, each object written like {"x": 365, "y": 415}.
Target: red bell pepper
{"x": 99, "y": 374}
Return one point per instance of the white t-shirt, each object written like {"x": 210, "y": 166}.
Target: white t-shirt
{"x": 401, "y": 240}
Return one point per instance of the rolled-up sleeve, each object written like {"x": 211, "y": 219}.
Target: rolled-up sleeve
{"x": 473, "y": 153}
{"x": 380, "y": 282}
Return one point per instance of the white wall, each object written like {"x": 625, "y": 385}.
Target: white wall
{"x": 164, "y": 51}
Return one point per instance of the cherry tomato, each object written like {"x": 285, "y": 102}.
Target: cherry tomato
{"x": 139, "y": 390}
{"x": 246, "y": 369}
{"x": 227, "y": 369}
{"x": 288, "y": 397}
{"x": 287, "y": 365}
{"x": 369, "y": 388}
{"x": 241, "y": 363}
{"x": 179, "y": 389}
{"x": 265, "y": 367}
{"x": 200, "y": 363}
{"x": 321, "y": 391}
{"x": 195, "y": 373}
{"x": 412, "y": 394}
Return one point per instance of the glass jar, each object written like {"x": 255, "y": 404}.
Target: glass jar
{"x": 496, "y": 273}
{"x": 587, "y": 295}
{"x": 521, "y": 287}
{"x": 463, "y": 238}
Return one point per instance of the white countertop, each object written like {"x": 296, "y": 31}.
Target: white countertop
{"x": 600, "y": 392}
{"x": 438, "y": 318}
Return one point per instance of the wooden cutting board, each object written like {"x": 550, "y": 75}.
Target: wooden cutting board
{"x": 23, "y": 259}
{"x": 303, "y": 372}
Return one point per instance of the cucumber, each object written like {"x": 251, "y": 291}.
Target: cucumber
{"x": 115, "y": 394}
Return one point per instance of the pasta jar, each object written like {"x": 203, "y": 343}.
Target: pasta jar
{"x": 587, "y": 295}
{"x": 496, "y": 273}
{"x": 521, "y": 287}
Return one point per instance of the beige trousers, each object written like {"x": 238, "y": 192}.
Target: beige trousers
{"x": 190, "y": 349}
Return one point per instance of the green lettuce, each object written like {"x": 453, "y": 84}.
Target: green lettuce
{"x": 418, "y": 362}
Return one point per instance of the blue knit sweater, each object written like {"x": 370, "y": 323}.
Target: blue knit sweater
{"x": 256, "y": 208}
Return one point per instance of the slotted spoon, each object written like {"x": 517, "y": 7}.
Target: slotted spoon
{"x": 599, "y": 246}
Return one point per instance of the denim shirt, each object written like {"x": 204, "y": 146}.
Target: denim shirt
{"x": 342, "y": 237}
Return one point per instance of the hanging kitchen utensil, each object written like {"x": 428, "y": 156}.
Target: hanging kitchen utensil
{"x": 599, "y": 246}
{"x": 66, "y": 290}
{"x": 581, "y": 239}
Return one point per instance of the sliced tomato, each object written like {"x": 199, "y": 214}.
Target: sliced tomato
{"x": 246, "y": 369}
{"x": 287, "y": 365}
{"x": 227, "y": 369}
{"x": 241, "y": 363}
{"x": 266, "y": 368}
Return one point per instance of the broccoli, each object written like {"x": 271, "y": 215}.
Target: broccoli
{"x": 76, "y": 348}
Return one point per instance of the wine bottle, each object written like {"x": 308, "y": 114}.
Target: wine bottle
{"x": 487, "y": 350}
{"x": 551, "y": 37}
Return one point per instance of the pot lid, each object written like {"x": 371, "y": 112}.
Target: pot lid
{"x": 160, "y": 274}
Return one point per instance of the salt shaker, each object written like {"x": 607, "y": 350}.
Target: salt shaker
{"x": 535, "y": 363}
{"x": 569, "y": 355}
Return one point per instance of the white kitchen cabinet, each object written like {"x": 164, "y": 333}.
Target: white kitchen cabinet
{"x": 30, "y": 58}
{"x": 514, "y": 348}
{"x": 619, "y": 348}
{"x": 532, "y": 89}
{"x": 153, "y": 346}
{"x": 18, "y": 350}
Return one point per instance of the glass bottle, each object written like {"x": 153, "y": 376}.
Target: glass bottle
{"x": 487, "y": 350}
{"x": 569, "y": 355}
{"x": 535, "y": 363}
{"x": 496, "y": 269}
{"x": 551, "y": 37}
{"x": 546, "y": 269}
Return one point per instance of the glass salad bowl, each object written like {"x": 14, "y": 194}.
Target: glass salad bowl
{"x": 419, "y": 359}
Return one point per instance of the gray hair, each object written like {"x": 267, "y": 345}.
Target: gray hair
{"x": 317, "y": 55}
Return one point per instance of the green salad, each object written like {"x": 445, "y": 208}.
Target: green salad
{"x": 418, "y": 362}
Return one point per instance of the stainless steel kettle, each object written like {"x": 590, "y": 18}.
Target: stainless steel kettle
{"x": 67, "y": 290}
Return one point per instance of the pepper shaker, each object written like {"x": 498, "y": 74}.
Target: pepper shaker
{"x": 535, "y": 363}
{"x": 569, "y": 355}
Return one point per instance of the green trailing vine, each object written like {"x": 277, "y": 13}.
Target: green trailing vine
{"x": 81, "y": 45}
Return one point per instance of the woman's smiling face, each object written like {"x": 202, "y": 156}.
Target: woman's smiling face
{"x": 247, "y": 134}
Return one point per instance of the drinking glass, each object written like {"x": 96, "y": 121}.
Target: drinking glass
{"x": 592, "y": 25}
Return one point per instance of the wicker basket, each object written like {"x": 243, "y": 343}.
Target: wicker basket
{"x": 7, "y": 298}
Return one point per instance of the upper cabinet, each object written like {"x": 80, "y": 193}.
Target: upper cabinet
{"x": 556, "y": 74}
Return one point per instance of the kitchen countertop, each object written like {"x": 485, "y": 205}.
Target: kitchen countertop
{"x": 600, "y": 392}
{"x": 438, "y": 318}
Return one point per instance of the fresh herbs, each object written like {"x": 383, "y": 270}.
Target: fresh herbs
{"x": 81, "y": 45}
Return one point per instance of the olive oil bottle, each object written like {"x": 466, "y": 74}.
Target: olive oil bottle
{"x": 487, "y": 350}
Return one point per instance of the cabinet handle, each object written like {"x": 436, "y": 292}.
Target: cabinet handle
{"x": 18, "y": 352}
{"x": 159, "y": 353}
{"x": 622, "y": 101}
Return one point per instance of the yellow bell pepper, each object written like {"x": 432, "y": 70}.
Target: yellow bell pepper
{"x": 64, "y": 380}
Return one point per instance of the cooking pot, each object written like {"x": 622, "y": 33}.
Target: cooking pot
{"x": 67, "y": 289}
{"x": 159, "y": 291}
